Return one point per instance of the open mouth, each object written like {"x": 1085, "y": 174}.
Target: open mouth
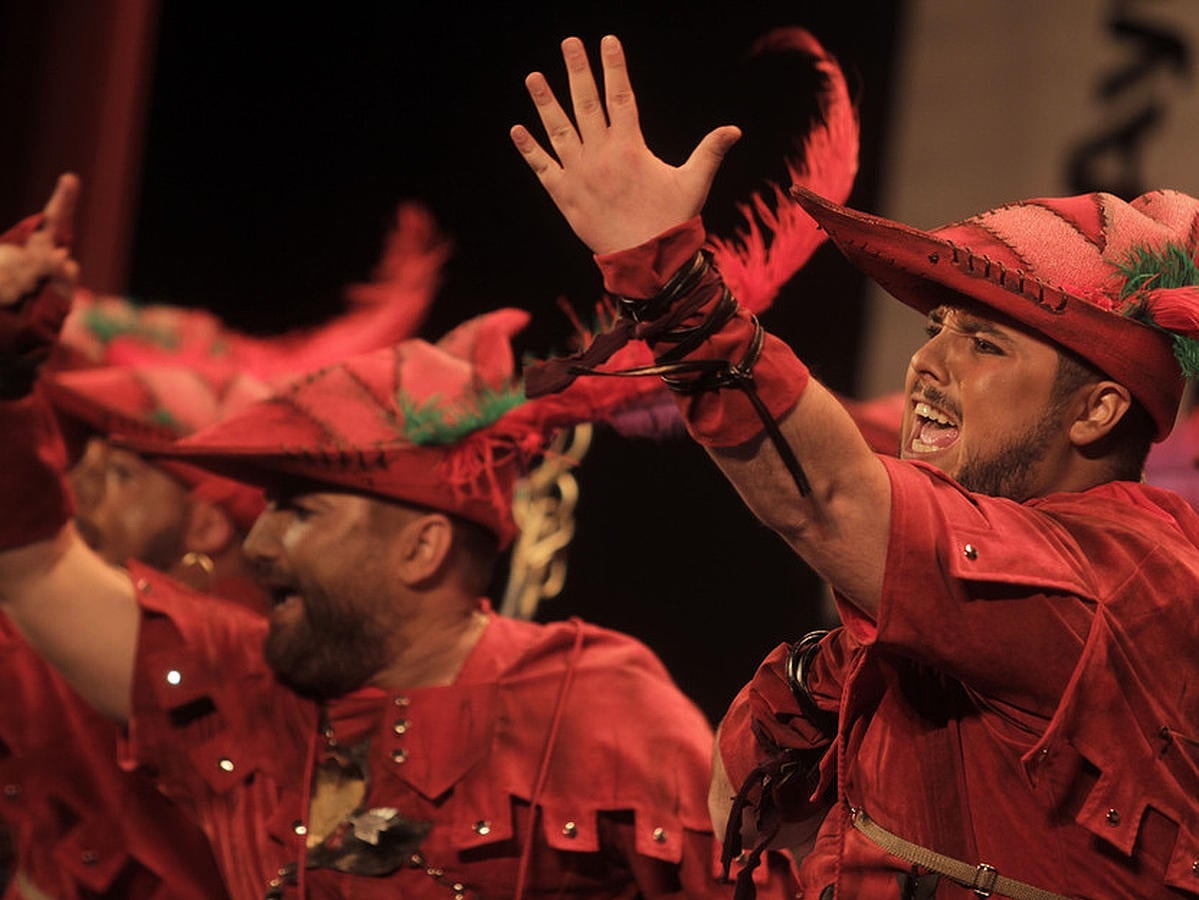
{"x": 932, "y": 430}
{"x": 284, "y": 597}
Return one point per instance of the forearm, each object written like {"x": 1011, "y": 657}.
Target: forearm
{"x": 77, "y": 612}
{"x": 73, "y": 608}
{"x": 814, "y": 480}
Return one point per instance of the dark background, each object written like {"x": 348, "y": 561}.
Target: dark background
{"x": 278, "y": 142}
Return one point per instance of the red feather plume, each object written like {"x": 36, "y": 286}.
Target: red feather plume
{"x": 778, "y": 237}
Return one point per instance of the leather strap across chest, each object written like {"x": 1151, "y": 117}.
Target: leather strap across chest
{"x": 983, "y": 879}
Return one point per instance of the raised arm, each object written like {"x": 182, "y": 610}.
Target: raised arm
{"x": 617, "y": 195}
{"x": 77, "y": 611}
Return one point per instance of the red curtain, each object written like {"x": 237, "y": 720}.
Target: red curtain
{"x": 74, "y": 89}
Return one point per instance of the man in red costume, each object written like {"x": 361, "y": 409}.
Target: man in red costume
{"x": 81, "y": 825}
{"x": 1006, "y": 709}
{"x": 382, "y": 732}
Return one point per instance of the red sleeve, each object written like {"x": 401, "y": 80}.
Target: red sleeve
{"x": 202, "y": 693}
{"x": 996, "y": 594}
{"x": 33, "y": 490}
{"x": 29, "y": 329}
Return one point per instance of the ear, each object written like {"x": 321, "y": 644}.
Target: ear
{"x": 1103, "y": 405}
{"x": 425, "y": 541}
{"x": 209, "y": 528}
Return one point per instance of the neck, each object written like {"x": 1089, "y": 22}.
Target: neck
{"x": 433, "y": 655}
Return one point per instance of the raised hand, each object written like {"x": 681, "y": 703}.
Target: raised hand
{"x": 614, "y": 192}
{"x": 41, "y": 256}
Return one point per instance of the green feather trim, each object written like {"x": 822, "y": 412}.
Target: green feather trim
{"x": 1186, "y": 351}
{"x": 107, "y": 328}
{"x": 1153, "y": 268}
{"x": 160, "y": 415}
{"x": 433, "y": 423}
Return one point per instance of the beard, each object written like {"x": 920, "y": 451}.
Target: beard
{"x": 1008, "y": 471}
{"x": 332, "y": 648}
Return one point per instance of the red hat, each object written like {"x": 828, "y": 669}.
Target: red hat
{"x": 149, "y": 405}
{"x": 415, "y": 422}
{"x": 441, "y": 425}
{"x": 1111, "y": 281}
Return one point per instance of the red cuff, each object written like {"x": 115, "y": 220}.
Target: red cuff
{"x": 29, "y": 330}
{"x": 23, "y": 230}
{"x": 33, "y": 490}
{"x": 726, "y": 418}
{"x": 642, "y": 271}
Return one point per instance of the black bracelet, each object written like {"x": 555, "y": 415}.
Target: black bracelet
{"x": 799, "y": 661}
{"x": 680, "y": 284}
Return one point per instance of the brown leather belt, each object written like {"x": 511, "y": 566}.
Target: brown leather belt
{"x": 983, "y": 879}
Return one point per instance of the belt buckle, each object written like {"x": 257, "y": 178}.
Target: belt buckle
{"x": 984, "y": 880}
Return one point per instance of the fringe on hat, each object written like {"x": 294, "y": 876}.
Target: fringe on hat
{"x": 778, "y": 237}
{"x": 1162, "y": 290}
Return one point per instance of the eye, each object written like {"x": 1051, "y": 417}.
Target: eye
{"x": 120, "y": 470}
{"x": 982, "y": 345}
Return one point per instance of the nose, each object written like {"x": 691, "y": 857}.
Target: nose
{"x": 263, "y": 543}
{"x": 87, "y": 476}
{"x": 930, "y": 362}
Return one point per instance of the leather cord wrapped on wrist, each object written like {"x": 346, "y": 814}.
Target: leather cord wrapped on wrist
{"x": 659, "y": 320}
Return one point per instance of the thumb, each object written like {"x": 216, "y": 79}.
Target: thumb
{"x": 706, "y": 158}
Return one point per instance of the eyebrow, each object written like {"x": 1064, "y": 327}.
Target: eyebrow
{"x": 969, "y": 323}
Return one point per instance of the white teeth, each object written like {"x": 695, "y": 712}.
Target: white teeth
{"x": 927, "y": 412}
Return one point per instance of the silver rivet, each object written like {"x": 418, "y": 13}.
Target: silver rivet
{"x": 225, "y": 764}
{"x": 1195, "y": 867}
{"x": 1044, "y": 753}
{"x": 570, "y": 829}
{"x": 399, "y": 755}
{"x": 970, "y": 552}
{"x": 401, "y": 726}
{"x": 458, "y": 886}
{"x": 482, "y": 827}
{"x": 434, "y": 872}
{"x": 299, "y": 827}
{"x": 401, "y": 701}
{"x": 89, "y": 857}
{"x": 660, "y": 835}
{"x": 174, "y": 676}
{"x": 1113, "y": 817}
{"x": 274, "y": 883}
